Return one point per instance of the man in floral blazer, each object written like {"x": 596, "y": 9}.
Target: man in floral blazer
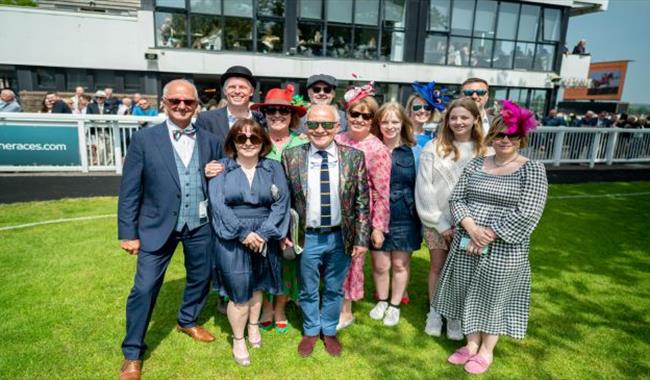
{"x": 329, "y": 191}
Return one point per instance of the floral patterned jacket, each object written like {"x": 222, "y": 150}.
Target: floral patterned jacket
{"x": 353, "y": 192}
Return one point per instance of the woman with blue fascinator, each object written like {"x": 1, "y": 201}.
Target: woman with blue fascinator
{"x": 424, "y": 107}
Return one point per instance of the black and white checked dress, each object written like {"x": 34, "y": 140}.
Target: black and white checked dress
{"x": 491, "y": 293}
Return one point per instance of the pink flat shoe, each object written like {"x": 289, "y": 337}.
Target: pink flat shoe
{"x": 477, "y": 365}
{"x": 460, "y": 356}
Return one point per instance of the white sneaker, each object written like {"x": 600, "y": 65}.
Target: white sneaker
{"x": 377, "y": 312}
{"x": 434, "y": 323}
{"x": 454, "y": 332}
{"x": 392, "y": 316}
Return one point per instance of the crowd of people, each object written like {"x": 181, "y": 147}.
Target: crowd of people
{"x": 602, "y": 119}
{"x": 280, "y": 201}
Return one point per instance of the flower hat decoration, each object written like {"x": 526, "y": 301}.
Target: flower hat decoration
{"x": 518, "y": 120}
{"x": 436, "y": 98}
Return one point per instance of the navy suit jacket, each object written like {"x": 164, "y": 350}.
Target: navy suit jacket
{"x": 93, "y": 109}
{"x": 150, "y": 192}
{"x": 60, "y": 107}
{"x": 216, "y": 122}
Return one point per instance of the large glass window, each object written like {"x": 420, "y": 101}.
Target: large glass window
{"x": 435, "y": 48}
{"x": 524, "y": 55}
{"x": 239, "y": 34}
{"x": 537, "y": 101}
{"x": 270, "y": 36}
{"x": 394, "y": 13}
{"x": 133, "y": 81}
{"x": 392, "y": 46}
{"x": 76, "y": 77}
{"x": 171, "y": 3}
{"x": 503, "y": 54}
{"x": 481, "y": 52}
{"x": 508, "y": 20}
{"x": 365, "y": 43}
{"x": 311, "y": 9}
{"x": 552, "y": 19}
{"x": 528, "y": 23}
{"x": 486, "y": 12}
{"x": 207, "y": 32}
{"x": 339, "y": 41}
{"x": 270, "y": 7}
{"x": 241, "y": 8}
{"x": 544, "y": 57}
{"x": 439, "y": 15}
{"x": 212, "y": 7}
{"x": 366, "y": 12}
{"x": 462, "y": 17}
{"x": 339, "y": 11}
{"x": 458, "y": 53}
{"x": 310, "y": 39}
{"x": 170, "y": 30}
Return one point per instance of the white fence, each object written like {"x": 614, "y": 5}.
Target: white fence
{"x": 102, "y": 140}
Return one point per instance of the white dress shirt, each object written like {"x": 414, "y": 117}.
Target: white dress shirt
{"x": 313, "y": 185}
{"x": 232, "y": 119}
{"x": 486, "y": 125}
{"x": 184, "y": 146}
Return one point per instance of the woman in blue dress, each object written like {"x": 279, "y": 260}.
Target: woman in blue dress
{"x": 393, "y": 127}
{"x": 250, "y": 204}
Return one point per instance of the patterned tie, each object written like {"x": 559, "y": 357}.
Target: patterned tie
{"x": 325, "y": 206}
{"x": 190, "y": 131}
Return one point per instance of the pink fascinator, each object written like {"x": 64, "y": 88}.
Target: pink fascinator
{"x": 355, "y": 94}
{"x": 519, "y": 120}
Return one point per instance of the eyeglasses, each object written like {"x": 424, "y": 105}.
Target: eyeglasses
{"x": 319, "y": 89}
{"x": 471, "y": 92}
{"x": 242, "y": 138}
{"x": 177, "y": 102}
{"x": 365, "y": 115}
{"x": 325, "y": 124}
{"x": 273, "y": 110}
{"x": 417, "y": 107}
{"x": 501, "y": 136}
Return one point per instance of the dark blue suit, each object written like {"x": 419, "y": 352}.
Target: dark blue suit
{"x": 216, "y": 122}
{"x": 149, "y": 202}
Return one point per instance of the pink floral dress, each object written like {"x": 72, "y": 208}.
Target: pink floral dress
{"x": 378, "y": 163}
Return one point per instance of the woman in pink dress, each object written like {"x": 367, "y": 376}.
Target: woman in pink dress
{"x": 361, "y": 110}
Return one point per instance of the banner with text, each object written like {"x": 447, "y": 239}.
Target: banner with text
{"x": 26, "y": 145}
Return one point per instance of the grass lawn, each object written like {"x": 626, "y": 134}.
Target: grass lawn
{"x": 64, "y": 289}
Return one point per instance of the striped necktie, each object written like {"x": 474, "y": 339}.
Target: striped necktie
{"x": 325, "y": 206}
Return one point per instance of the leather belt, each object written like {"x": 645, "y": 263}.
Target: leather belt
{"x": 323, "y": 230}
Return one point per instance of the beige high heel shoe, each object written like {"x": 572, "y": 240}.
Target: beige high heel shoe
{"x": 244, "y": 361}
{"x": 257, "y": 343}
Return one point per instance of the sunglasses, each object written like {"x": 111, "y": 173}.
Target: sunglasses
{"x": 501, "y": 136}
{"x": 417, "y": 107}
{"x": 319, "y": 89}
{"x": 325, "y": 124}
{"x": 177, "y": 102}
{"x": 471, "y": 92}
{"x": 365, "y": 115}
{"x": 242, "y": 138}
{"x": 273, "y": 110}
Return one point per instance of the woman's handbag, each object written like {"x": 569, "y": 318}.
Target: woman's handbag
{"x": 290, "y": 253}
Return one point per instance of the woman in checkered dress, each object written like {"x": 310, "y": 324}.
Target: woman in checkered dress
{"x": 496, "y": 205}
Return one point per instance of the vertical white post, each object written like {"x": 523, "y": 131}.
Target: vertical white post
{"x": 611, "y": 147}
{"x": 595, "y": 143}
{"x": 83, "y": 149}
{"x": 117, "y": 148}
{"x": 557, "y": 148}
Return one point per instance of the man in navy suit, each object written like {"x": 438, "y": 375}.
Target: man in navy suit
{"x": 163, "y": 201}
{"x": 237, "y": 85}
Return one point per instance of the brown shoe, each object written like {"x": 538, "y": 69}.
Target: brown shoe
{"x": 306, "y": 346}
{"x": 197, "y": 333}
{"x": 131, "y": 370}
{"x": 332, "y": 345}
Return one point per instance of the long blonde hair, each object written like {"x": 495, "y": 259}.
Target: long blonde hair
{"x": 406, "y": 134}
{"x": 445, "y": 137}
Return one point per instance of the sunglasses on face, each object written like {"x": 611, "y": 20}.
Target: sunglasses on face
{"x": 417, "y": 107}
{"x": 319, "y": 89}
{"x": 471, "y": 92}
{"x": 501, "y": 136}
{"x": 242, "y": 138}
{"x": 177, "y": 102}
{"x": 273, "y": 110}
{"x": 325, "y": 124}
{"x": 365, "y": 115}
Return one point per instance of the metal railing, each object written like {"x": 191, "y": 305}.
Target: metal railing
{"x": 102, "y": 141}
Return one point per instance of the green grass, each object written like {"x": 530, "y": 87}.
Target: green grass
{"x": 64, "y": 288}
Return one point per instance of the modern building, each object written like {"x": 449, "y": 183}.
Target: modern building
{"x": 139, "y": 45}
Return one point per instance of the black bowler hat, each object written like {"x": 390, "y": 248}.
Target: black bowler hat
{"x": 238, "y": 71}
